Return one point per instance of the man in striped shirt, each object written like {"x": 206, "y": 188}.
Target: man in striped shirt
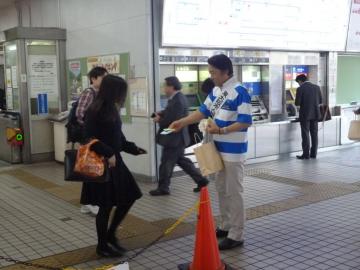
{"x": 229, "y": 104}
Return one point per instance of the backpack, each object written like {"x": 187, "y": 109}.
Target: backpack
{"x": 75, "y": 131}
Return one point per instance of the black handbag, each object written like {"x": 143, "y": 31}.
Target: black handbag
{"x": 324, "y": 113}
{"x": 71, "y": 175}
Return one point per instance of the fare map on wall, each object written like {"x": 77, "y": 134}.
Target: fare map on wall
{"x": 282, "y": 24}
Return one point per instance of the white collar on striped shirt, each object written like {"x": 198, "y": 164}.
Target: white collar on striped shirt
{"x": 231, "y": 81}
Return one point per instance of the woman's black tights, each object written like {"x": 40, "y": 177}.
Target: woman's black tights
{"x": 102, "y": 219}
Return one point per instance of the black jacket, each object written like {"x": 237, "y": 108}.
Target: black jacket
{"x": 122, "y": 187}
{"x": 176, "y": 108}
{"x": 308, "y": 97}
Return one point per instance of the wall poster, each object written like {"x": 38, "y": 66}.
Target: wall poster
{"x": 9, "y": 98}
{"x": 43, "y": 83}
{"x": 110, "y": 62}
{"x": 14, "y": 76}
{"x": 75, "y": 76}
{"x": 8, "y": 77}
{"x": 43, "y": 75}
{"x": 138, "y": 97}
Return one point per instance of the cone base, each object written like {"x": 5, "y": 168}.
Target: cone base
{"x": 186, "y": 266}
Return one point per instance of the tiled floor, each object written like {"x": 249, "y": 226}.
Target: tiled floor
{"x": 310, "y": 230}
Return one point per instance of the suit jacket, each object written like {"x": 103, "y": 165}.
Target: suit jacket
{"x": 308, "y": 97}
{"x": 176, "y": 108}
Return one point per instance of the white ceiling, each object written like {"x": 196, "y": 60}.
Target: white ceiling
{"x": 5, "y": 3}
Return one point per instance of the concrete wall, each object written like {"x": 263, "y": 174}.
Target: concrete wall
{"x": 8, "y": 18}
{"x": 103, "y": 27}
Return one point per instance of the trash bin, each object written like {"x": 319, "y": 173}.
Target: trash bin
{"x": 60, "y": 144}
{"x": 9, "y": 151}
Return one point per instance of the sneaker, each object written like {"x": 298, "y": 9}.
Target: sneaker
{"x": 94, "y": 209}
{"x": 84, "y": 209}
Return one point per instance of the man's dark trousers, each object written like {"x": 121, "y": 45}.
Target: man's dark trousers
{"x": 309, "y": 126}
{"x": 169, "y": 158}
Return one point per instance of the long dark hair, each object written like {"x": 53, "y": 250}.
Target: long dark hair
{"x": 111, "y": 96}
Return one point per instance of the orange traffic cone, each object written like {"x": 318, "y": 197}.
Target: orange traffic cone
{"x": 206, "y": 254}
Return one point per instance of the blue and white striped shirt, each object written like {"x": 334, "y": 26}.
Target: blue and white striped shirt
{"x": 237, "y": 108}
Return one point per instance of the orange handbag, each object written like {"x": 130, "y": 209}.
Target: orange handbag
{"x": 88, "y": 163}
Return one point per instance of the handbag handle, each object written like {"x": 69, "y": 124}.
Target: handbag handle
{"x": 88, "y": 145}
{"x": 197, "y": 138}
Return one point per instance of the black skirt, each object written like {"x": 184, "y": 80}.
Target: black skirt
{"x": 121, "y": 189}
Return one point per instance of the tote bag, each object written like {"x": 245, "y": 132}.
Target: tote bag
{"x": 354, "y": 130}
{"x": 208, "y": 158}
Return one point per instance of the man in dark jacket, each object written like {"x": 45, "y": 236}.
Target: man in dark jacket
{"x": 174, "y": 144}
{"x": 308, "y": 97}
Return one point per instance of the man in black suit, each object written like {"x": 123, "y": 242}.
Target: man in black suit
{"x": 308, "y": 97}
{"x": 174, "y": 143}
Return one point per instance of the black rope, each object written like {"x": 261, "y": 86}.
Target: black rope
{"x": 29, "y": 264}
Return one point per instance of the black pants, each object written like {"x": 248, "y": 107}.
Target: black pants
{"x": 169, "y": 158}
{"x": 102, "y": 219}
{"x": 309, "y": 126}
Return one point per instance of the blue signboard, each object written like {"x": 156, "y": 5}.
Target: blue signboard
{"x": 254, "y": 88}
{"x": 42, "y": 104}
{"x": 301, "y": 69}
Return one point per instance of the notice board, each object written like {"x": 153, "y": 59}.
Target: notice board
{"x": 77, "y": 69}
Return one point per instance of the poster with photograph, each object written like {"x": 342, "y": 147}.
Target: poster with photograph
{"x": 75, "y": 77}
{"x": 110, "y": 62}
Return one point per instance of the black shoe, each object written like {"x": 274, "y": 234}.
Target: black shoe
{"x": 116, "y": 245}
{"x": 107, "y": 252}
{"x": 221, "y": 233}
{"x": 201, "y": 184}
{"x": 159, "y": 192}
{"x": 312, "y": 156}
{"x": 228, "y": 243}
{"x": 302, "y": 157}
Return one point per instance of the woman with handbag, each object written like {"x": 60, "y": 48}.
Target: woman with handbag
{"x": 102, "y": 122}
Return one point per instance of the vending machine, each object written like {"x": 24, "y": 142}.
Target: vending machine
{"x": 255, "y": 80}
{"x": 290, "y": 73}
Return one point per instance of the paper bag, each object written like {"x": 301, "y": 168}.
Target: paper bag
{"x": 208, "y": 158}
{"x": 354, "y": 130}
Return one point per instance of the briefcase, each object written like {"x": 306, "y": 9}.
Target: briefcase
{"x": 325, "y": 114}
